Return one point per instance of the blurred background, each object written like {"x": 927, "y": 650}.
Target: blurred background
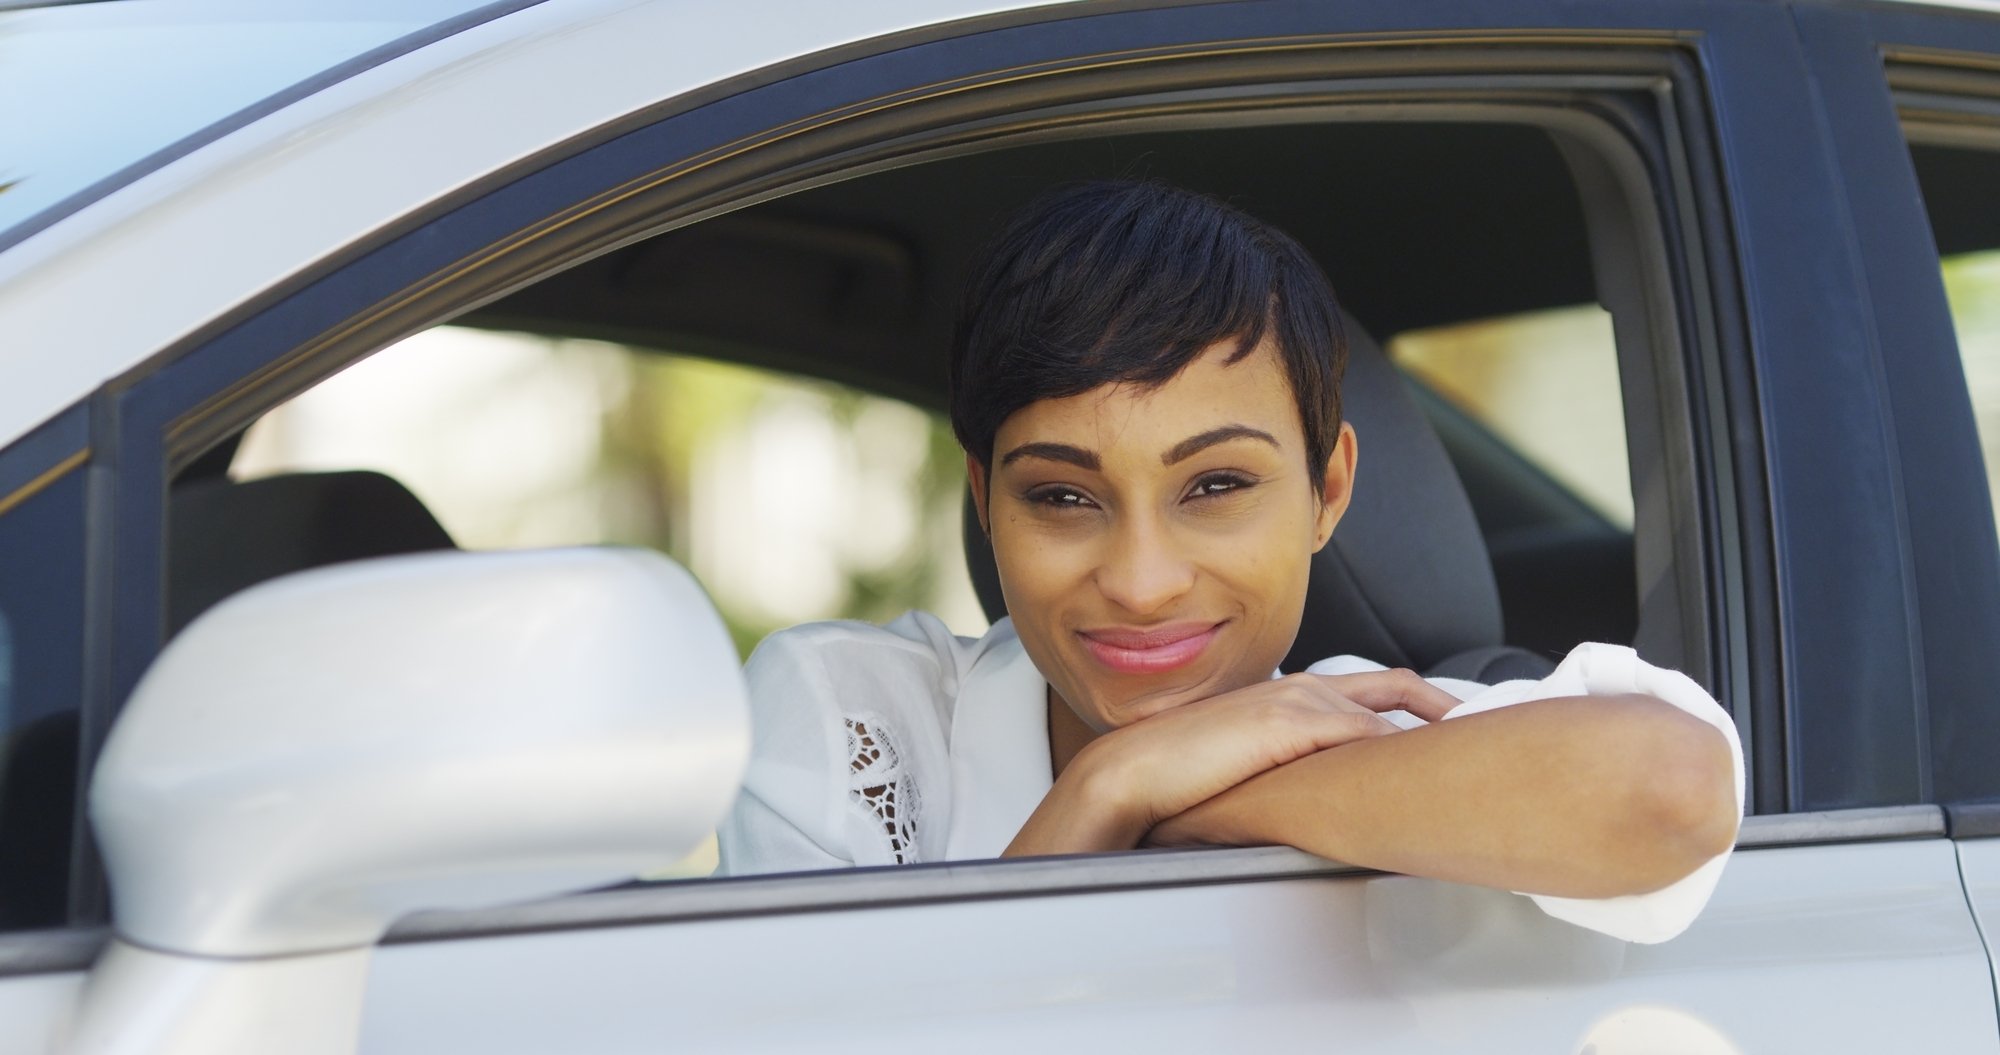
{"x": 1972, "y": 282}
{"x": 795, "y": 499}
{"x": 791, "y": 499}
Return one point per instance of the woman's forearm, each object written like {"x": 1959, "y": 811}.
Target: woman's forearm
{"x": 1085, "y": 812}
{"x": 1577, "y": 797}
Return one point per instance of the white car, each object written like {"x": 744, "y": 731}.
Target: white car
{"x": 392, "y": 797}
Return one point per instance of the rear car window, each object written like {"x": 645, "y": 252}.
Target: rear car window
{"x": 1958, "y": 185}
{"x": 1972, "y": 284}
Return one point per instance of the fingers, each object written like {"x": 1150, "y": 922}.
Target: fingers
{"x": 1279, "y": 721}
{"x": 1185, "y": 755}
{"x": 1342, "y": 725}
{"x": 1392, "y": 690}
{"x": 1321, "y": 714}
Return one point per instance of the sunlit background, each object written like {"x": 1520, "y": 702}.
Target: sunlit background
{"x": 791, "y": 500}
{"x": 1545, "y": 382}
{"x": 1972, "y": 282}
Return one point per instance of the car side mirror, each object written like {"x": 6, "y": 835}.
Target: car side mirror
{"x": 325, "y": 752}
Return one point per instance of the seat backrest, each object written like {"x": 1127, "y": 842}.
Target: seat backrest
{"x": 1406, "y": 580}
{"x": 227, "y": 535}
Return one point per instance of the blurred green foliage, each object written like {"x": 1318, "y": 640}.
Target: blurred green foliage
{"x": 671, "y": 406}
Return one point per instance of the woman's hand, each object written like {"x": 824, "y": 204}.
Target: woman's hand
{"x": 1578, "y": 797}
{"x": 1128, "y": 780}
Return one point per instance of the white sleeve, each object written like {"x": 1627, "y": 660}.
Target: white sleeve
{"x": 789, "y": 816}
{"x": 1599, "y": 669}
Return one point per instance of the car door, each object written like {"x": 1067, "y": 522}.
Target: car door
{"x": 1923, "y": 163}
{"x": 1747, "y": 350}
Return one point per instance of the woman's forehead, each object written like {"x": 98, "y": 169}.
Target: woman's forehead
{"x": 1210, "y": 393}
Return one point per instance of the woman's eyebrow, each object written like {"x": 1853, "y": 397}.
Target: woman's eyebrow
{"x": 1055, "y": 452}
{"x": 1194, "y": 445}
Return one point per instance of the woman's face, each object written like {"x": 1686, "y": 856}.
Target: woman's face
{"x": 1153, "y": 545}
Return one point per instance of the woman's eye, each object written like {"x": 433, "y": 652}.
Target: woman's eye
{"x": 1217, "y": 484}
{"x": 1059, "y": 498}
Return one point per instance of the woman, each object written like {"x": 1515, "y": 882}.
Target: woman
{"x": 1146, "y": 384}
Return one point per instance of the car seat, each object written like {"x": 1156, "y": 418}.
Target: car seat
{"x": 1406, "y": 580}
{"x": 227, "y": 535}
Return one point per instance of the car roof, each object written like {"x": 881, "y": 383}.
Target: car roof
{"x": 153, "y": 81}
{"x": 1967, "y": 5}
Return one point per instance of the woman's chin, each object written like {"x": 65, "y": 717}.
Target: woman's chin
{"x": 1114, "y": 706}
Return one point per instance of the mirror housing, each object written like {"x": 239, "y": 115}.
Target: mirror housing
{"x": 325, "y": 752}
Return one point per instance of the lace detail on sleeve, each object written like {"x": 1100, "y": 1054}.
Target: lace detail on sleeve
{"x": 878, "y": 783}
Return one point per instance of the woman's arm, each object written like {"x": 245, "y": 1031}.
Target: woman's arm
{"x": 1123, "y": 783}
{"x": 1583, "y": 797}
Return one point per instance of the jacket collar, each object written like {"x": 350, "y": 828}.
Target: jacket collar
{"x": 999, "y": 747}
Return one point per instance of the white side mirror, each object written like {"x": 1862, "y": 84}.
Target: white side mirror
{"x": 325, "y": 752}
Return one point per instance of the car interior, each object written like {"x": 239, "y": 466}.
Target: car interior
{"x": 1459, "y": 556}
{"x": 1958, "y": 195}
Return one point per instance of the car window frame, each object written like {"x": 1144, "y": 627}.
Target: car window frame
{"x": 1648, "y": 328}
{"x": 151, "y": 426}
{"x": 1887, "y": 71}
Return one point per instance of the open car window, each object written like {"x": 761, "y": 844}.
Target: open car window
{"x": 748, "y": 393}
{"x": 848, "y": 275}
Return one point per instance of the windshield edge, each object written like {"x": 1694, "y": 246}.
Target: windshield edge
{"x": 66, "y": 207}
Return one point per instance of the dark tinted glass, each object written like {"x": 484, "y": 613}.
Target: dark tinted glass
{"x": 41, "y": 681}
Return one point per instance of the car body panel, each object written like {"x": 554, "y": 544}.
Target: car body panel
{"x": 1966, "y": 5}
{"x": 1378, "y": 963}
{"x": 101, "y": 66}
{"x": 1979, "y": 865}
{"x": 363, "y": 152}
{"x": 34, "y": 1009}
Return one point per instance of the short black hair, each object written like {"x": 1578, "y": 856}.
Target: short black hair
{"x": 1117, "y": 281}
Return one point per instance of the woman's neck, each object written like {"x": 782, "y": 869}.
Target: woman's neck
{"x": 1067, "y": 734}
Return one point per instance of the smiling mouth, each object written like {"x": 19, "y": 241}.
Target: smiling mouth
{"x": 1151, "y": 650}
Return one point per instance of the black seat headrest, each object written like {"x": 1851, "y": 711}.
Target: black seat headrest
{"x": 1406, "y": 580}
{"x": 227, "y": 535}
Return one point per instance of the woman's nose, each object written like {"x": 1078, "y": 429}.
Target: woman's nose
{"x": 1142, "y": 569}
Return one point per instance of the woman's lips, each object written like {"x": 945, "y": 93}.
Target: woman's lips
{"x": 1149, "y": 650}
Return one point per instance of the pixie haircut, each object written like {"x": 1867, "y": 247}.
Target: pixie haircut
{"x": 1103, "y": 282}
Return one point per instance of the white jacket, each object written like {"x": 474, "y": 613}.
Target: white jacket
{"x": 904, "y": 743}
